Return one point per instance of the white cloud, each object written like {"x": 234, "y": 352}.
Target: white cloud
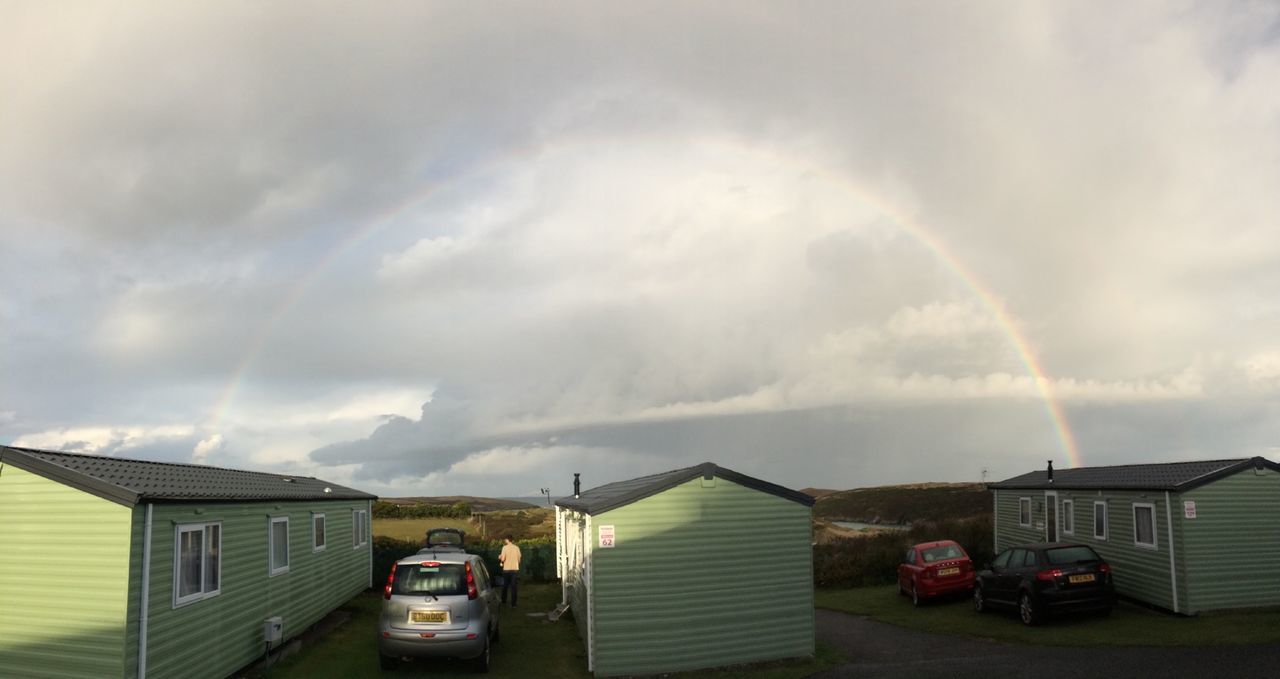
{"x": 103, "y": 440}
{"x": 206, "y": 446}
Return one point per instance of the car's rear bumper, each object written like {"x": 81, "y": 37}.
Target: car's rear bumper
{"x": 1066, "y": 602}
{"x": 932, "y": 588}
{"x": 412, "y": 644}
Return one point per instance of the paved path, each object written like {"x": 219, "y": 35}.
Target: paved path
{"x": 877, "y": 650}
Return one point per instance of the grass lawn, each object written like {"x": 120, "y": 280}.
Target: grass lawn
{"x": 416, "y": 529}
{"x": 1129, "y": 625}
{"x": 530, "y": 648}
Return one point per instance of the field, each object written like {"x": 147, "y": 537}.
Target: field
{"x": 1129, "y": 625}
{"x": 905, "y": 504}
{"x": 522, "y": 524}
{"x": 530, "y": 648}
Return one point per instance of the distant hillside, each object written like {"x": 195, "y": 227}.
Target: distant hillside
{"x": 905, "y": 504}
{"x": 478, "y": 504}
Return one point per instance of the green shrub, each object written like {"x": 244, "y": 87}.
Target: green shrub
{"x": 391, "y": 510}
{"x": 538, "y": 561}
{"x": 873, "y": 560}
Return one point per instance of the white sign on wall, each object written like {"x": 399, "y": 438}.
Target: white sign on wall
{"x": 1189, "y": 508}
{"x": 606, "y": 536}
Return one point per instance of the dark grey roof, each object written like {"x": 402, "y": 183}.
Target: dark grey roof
{"x": 130, "y": 482}
{"x": 1166, "y": 476}
{"x": 614, "y": 495}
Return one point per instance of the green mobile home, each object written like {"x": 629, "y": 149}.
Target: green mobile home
{"x": 1185, "y": 536}
{"x": 692, "y": 568}
{"x": 128, "y": 568}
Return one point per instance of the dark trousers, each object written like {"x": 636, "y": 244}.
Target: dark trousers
{"x": 511, "y": 583}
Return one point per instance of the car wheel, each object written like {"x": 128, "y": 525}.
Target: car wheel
{"x": 388, "y": 662}
{"x": 915, "y": 595}
{"x": 979, "y": 602}
{"x": 482, "y": 662}
{"x": 1027, "y": 610}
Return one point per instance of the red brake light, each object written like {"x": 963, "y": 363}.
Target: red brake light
{"x": 1104, "y": 567}
{"x": 431, "y": 564}
{"x": 1049, "y": 574}
{"x": 391, "y": 577}
{"x": 472, "y": 592}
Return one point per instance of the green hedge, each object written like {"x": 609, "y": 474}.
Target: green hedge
{"x": 538, "y": 562}
{"x": 873, "y": 560}
{"x": 391, "y": 510}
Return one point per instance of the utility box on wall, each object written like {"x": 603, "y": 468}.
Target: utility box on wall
{"x": 273, "y": 630}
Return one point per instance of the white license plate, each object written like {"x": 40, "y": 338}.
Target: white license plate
{"x": 1087, "y": 577}
{"x": 948, "y": 571}
{"x": 429, "y": 616}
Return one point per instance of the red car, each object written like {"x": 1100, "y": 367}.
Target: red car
{"x": 932, "y": 569}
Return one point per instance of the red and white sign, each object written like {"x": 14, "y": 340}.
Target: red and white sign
{"x": 606, "y": 537}
{"x": 1189, "y": 508}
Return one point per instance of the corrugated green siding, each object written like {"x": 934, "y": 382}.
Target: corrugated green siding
{"x": 702, "y": 577}
{"x": 64, "y": 571}
{"x": 1140, "y": 572}
{"x": 1008, "y": 531}
{"x": 1231, "y": 551}
{"x": 217, "y": 636}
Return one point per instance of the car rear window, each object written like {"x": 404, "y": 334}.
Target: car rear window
{"x": 1065, "y": 555}
{"x": 942, "y": 553}
{"x": 441, "y": 579}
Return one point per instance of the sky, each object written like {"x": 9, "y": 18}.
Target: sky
{"x": 456, "y": 248}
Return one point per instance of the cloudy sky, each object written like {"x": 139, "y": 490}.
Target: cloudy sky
{"x": 430, "y": 248}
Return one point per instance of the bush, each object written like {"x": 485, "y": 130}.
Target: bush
{"x": 391, "y": 510}
{"x": 873, "y": 560}
{"x": 538, "y": 562}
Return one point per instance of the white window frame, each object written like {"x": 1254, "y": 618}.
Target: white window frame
{"x": 359, "y": 528}
{"x": 1155, "y": 537}
{"x": 271, "y": 546}
{"x": 1027, "y": 514}
{"x": 1106, "y": 520}
{"x": 203, "y": 528}
{"x": 323, "y": 533}
{"x": 1068, "y": 517}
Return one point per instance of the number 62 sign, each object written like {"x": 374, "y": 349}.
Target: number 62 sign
{"x": 606, "y": 536}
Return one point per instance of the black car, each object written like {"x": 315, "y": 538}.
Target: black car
{"x": 1046, "y": 578}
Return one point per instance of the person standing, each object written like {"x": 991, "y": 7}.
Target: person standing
{"x": 510, "y": 560}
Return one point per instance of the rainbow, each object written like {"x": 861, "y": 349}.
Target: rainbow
{"x": 912, "y": 227}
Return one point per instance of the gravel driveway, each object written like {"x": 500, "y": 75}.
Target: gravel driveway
{"x": 878, "y": 650}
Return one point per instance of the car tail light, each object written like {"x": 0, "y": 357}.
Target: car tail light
{"x": 472, "y": 592}
{"x": 1049, "y": 575}
{"x": 1104, "y": 567}
{"x": 391, "y": 577}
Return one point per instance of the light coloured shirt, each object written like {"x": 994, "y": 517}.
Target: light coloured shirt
{"x": 510, "y": 557}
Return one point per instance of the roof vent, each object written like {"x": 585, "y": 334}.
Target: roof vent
{"x": 577, "y": 485}
{"x": 1050, "y": 472}
{"x": 287, "y": 479}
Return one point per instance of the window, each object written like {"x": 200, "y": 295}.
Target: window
{"x": 197, "y": 562}
{"x": 1003, "y": 559}
{"x": 1024, "y": 511}
{"x": 278, "y": 537}
{"x": 317, "y": 532}
{"x": 1144, "y": 525}
{"x": 1029, "y": 559}
{"x": 910, "y": 557}
{"x": 359, "y": 527}
{"x": 1100, "y": 520}
{"x": 1068, "y": 517}
{"x": 430, "y": 577}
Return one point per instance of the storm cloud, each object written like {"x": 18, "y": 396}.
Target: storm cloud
{"x": 435, "y": 248}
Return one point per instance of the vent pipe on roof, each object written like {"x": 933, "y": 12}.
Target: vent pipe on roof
{"x": 577, "y": 485}
{"x": 1051, "y": 472}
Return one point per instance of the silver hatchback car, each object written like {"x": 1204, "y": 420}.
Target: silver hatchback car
{"x": 438, "y": 603}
